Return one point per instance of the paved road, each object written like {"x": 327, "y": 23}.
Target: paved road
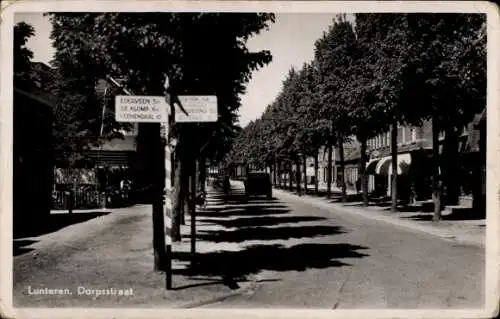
{"x": 317, "y": 258}
{"x": 300, "y": 256}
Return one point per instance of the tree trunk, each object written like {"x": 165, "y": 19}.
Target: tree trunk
{"x": 271, "y": 173}
{"x": 275, "y": 173}
{"x": 290, "y": 173}
{"x": 298, "y": 176}
{"x": 394, "y": 163}
{"x": 184, "y": 195}
{"x": 362, "y": 172}
{"x": 304, "y": 166}
{"x": 342, "y": 169}
{"x": 202, "y": 173}
{"x": 436, "y": 178}
{"x": 316, "y": 168}
{"x": 279, "y": 174}
{"x": 450, "y": 169}
{"x": 185, "y": 199}
{"x": 177, "y": 196}
{"x": 329, "y": 171}
{"x": 158, "y": 163}
{"x": 192, "y": 207}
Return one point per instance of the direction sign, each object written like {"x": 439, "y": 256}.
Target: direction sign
{"x": 200, "y": 108}
{"x": 141, "y": 108}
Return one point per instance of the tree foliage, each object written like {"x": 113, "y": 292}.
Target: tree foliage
{"x": 388, "y": 68}
{"x": 22, "y": 55}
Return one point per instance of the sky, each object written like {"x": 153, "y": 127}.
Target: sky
{"x": 290, "y": 39}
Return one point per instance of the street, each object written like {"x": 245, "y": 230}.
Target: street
{"x": 294, "y": 255}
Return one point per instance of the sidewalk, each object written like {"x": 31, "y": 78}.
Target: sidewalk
{"x": 114, "y": 250}
{"x": 465, "y": 231}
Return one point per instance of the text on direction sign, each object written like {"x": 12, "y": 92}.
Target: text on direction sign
{"x": 200, "y": 108}
{"x": 152, "y": 109}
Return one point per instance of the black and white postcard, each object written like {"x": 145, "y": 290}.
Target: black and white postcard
{"x": 250, "y": 159}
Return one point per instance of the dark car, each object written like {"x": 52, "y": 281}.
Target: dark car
{"x": 257, "y": 183}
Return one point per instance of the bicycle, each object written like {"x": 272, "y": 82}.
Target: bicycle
{"x": 201, "y": 199}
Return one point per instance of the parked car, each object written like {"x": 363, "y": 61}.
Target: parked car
{"x": 258, "y": 183}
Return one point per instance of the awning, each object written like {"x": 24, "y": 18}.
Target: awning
{"x": 371, "y": 165}
{"x": 384, "y": 166}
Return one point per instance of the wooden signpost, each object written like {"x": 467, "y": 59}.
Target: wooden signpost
{"x": 199, "y": 108}
{"x": 156, "y": 109}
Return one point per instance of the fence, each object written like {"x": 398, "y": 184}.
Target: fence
{"x": 82, "y": 199}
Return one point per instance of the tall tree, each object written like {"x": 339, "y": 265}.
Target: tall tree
{"x": 447, "y": 63}
{"x": 22, "y": 55}
{"x": 141, "y": 49}
{"x": 332, "y": 53}
{"x": 383, "y": 43}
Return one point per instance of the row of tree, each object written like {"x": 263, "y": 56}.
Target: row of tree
{"x": 367, "y": 77}
{"x": 201, "y": 53}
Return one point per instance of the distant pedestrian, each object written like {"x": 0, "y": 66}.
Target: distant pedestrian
{"x": 125, "y": 186}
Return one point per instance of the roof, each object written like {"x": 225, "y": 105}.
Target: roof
{"x": 127, "y": 144}
{"x": 35, "y": 84}
{"x": 480, "y": 119}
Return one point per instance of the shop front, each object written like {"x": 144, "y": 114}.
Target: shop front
{"x": 413, "y": 179}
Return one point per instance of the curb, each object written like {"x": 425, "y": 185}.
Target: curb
{"x": 237, "y": 292}
{"x": 443, "y": 234}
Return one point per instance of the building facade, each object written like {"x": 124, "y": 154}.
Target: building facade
{"x": 32, "y": 147}
{"x": 414, "y": 163}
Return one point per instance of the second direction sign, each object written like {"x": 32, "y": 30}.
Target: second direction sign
{"x": 200, "y": 108}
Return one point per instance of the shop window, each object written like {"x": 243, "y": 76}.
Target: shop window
{"x": 400, "y": 135}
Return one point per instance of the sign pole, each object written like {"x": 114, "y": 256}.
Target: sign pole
{"x": 193, "y": 212}
{"x": 168, "y": 200}
{"x": 168, "y": 211}
{"x": 154, "y": 109}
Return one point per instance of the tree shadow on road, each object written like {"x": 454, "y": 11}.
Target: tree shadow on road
{"x": 51, "y": 223}
{"x": 243, "y": 211}
{"x": 350, "y": 198}
{"x": 267, "y": 233}
{"x": 237, "y": 265}
{"x": 238, "y": 197}
{"x": 245, "y": 220}
{"x": 260, "y": 221}
{"x": 455, "y": 217}
{"x": 19, "y": 246}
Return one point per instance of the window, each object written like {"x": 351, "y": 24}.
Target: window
{"x": 388, "y": 138}
{"x": 413, "y": 134}
{"x": 403, "y": 137}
